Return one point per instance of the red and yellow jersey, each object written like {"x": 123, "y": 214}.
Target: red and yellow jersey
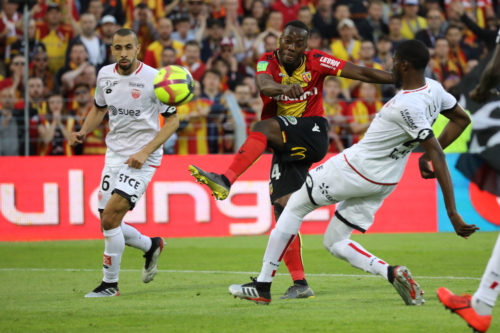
{"x": 360, "y": 112}
{"x": 152, "y": 57}
{"x": 483, "y": 9}
{"x": 310, "y": 74}
{"x": 193, "y": 138}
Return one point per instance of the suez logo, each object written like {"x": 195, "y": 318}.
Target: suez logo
{"x": 120, "y": 111}
{"x": 71, "y": 201}
{"x": 303, "y": 97}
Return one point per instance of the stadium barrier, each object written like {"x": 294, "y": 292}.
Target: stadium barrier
{"x": 55, "y": 198}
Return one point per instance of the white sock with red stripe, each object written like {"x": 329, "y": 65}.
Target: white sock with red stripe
{"x": 134, "y": 238}
{"x": 114, "y": 245}
{"x": 490, "y": 284}
{"x": 358, "y": 257}
{"x": 275, "y": 251}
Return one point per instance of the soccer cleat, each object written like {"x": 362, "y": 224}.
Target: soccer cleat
{"x": 105, "y": 290}
{"x": 461, "y": 305}
{"x": 213, "y": 180}
{"x": 407, "y": 288}
{"x": 250, "y": 292}
{"x": 298, "y": 291}
{"x": 151, "y": 265}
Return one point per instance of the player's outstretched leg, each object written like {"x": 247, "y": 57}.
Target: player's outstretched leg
{"x": 257, "y": 292}
{"x": 152, "y": 248}
{"x": 337, "y": 242}
{"x": 295, "y": 265}
{"x": 462, "y": 306}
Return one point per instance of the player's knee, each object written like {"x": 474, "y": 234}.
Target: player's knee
{"x": 278, "y": 209}
{"x": 110, "y": 218}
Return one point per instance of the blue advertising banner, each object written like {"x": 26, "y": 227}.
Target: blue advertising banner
{"x": 476, "y": 207}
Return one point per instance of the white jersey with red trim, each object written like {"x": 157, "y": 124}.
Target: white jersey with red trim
{"x": 397, "y": 129}
{"x": 133, "y": 108}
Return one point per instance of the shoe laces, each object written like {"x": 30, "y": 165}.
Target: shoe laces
{"x": 251, "y": 284}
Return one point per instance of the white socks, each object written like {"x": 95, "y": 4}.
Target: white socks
{"x": 358, "y": 257}
{"x": 276, "y": 248}
{"x": 113, "y": 249}
{"x": 134, "y": 238}
{"x": 486, "y": 296}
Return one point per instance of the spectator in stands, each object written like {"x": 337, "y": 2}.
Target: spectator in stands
{"x": 9, "y": 17}
{"x": 34, "y": 45}
{"x": 315, "y": 40}
{"x": 96, "y": 8}
{"x": 411, "y": 22}
{"x": 456, "y": 53}
{"x": 288, "y": 8}
{"x": 192, "y": 61}
{"x": 346, "y": 48}
{"x": 384, "y": 55}
{"x": 244, "y": 98}
{"x": 229, "y": 76}
{"x": 429, "y": 35}
{"x": 37, "y": 106}
{"x": 9, "y": 142}
{"x": 183, "y": 32}
{"x": 246, "y": 38}
{"x": 108, "y": 27}
{"x": 258, "y": 10}
{"x": 197, "y": 11}
{"x": 361, "y": 112}
{"x": 323, "y": 19}
{"x": 15, "y": 77}
{"x": 373, "y": 26}
{"x": 441, "y": 65}
{"x": 335, "y": 110}
{"x": 54, "y": 128}
{"x": 168, "y": 57}
{"x": 218, "y": 113}
{"x": 366, "y": 59}
{"x": 153, "y": 53}
{"x": 40, "y": 69}
{"x": 95, "y": 47}
{"x": 216, "y": 10}
{"x": 305, "y": 15}
{"x": 192, "y": 134}
{"x": 275, "y": 22}
{"x": 156, "y": 9}
{"x": 144, "y": 28}
{"x": 56, "y": 34}
{"x": 341, "y": 13}
{"x": 113, "y": 8}
{"x": 77, "y": 63}
{"x": 211, "y": 44}
{"x": 395, "y": 35}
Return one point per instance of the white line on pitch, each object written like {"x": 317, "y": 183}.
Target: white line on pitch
{"x": 227, "y": 272}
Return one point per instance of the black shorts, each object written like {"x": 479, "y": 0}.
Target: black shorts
{"x": 306, "y": 142}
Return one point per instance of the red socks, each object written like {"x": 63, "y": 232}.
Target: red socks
{"x": 293, "y": 260}
{"x": 249, "y": 152}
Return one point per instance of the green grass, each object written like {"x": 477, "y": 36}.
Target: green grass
{"x": 51, "y": 299}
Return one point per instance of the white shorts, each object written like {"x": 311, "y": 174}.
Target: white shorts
{"x": 118, "y": 177}
{"x": 336, "y": 182}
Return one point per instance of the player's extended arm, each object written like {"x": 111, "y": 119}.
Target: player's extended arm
{"x": 93, "y": 119}
{"x": 169, "y": 127}
{"x": 489, "y": 80}
{"x": 436, "y": 154}
{"x": 459, "y": 120}
{"x": 366, "y": 74}
{"x": 266, "y": 84}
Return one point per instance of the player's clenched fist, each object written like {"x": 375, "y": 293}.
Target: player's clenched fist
{"x": 76, "y": 138}
{"x": 293, "y": 91}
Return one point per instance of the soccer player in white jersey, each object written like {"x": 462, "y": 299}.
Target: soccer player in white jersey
{"x": 476, "y": 310}
{"x": 360, "y": 178}
{"x": 125, "y": 90}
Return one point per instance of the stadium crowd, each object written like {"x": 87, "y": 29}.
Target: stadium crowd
{"x": 219, "y": 42}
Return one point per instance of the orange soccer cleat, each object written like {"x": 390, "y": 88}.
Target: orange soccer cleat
{"x": 462, "y": 306}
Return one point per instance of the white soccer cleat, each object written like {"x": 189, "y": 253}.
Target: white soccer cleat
{"x": 250, "y": 292}
{"x": 105, "y": 290}
{"x": 151, "y": 265}
{"x": 404, "y": 284}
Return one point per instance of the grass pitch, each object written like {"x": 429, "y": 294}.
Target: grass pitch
{"x": 42, "y": 287}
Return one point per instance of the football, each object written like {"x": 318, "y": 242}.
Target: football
{"x": 174, "y": 85}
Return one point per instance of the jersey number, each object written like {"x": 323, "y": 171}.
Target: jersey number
{"x": 275, "y": 173}
{"x": 105, "y": 184}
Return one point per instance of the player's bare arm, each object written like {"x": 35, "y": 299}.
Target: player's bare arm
{"x": 436, "y": 155}
{"x": 366, "y": 74}
{"x": 459, "y": 120}
{"x": 489, "y": 80}
{"x": 269, "y": 87}
{"x": 93, "y": 119}
{"x": 171, "y": 125}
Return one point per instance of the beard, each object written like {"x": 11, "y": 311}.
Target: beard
{"x": 125, "y": 67}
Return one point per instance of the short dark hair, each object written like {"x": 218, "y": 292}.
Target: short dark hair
{"x": 170, "y": 48}
{"x": 192, "y": 43}
{"x": 142, "y": 6}
{"x": 212, "y": 71}
{"x": 126, "y": 32}
{"x": 415, "y": 52}
{"x": 395, "y": 17}
{"x": 383, "y": 38}
{"x": 450, "y": 27}
{"x": 305, "y": 8}
{"x": 441, "y": 38}
{"x": 297, "y": 24}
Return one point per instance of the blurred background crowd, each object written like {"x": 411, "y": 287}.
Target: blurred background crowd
{"x": 219, "y": 42}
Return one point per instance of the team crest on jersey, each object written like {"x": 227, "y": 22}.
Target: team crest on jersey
{"x": 291, "y": 119}
{"x": 270, "y": 189}
{"x": 136, "y": 93}
{"x": 306, "y": 76}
